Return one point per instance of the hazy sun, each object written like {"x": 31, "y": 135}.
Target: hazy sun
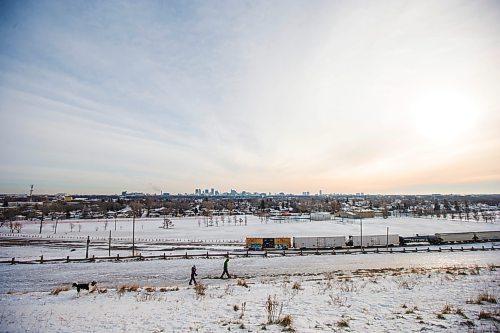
{"x": 444, "y": 116}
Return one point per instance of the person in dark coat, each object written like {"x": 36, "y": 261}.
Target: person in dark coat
{"x": 225, "y": 269}
{"x": 193, "y": 274}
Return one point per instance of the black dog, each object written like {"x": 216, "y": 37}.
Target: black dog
{"x": 87, "y": 286}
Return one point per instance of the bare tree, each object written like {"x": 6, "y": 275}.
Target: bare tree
{"x": 18, "y": 226}
{"x": 167, "y": 223}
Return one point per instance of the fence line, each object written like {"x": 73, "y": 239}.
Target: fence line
{"x": 264, "y": 254}
{"x": 127, "y": 239}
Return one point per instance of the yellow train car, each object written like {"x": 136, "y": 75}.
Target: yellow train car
{"x": 254, "y": 243}
{"x": 282, "y": 243}
{"x": 257, "y": 243}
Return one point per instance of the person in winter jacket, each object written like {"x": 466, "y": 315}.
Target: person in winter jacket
{"x": 225, "y": 269}
{"x": 193, "y": 274}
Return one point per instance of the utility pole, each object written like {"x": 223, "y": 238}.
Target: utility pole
{"x": 109, "y": 246}
{"x": 41, "y": 221}
{"x": 133, "y": 236}
{"x": 87, "y": 252}
{"x": 387, "y": 239}
{"x": 361, "y": 234}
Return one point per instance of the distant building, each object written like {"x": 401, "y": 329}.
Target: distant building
{"x": 321, "y": 216}
{"x": 366, "y": 214}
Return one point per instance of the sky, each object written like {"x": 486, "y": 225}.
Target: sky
{"x": 267, "y": 96}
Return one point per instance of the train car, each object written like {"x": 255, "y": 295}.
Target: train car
{"x": 418, "y": 239}
{"x": 456, "y": 237}
{"x": 486, "y": 236}
{"x": 374, "y": 240}
{"x": 259, "y": 243}
{"x": 254, "y": 243}
{"x": 319, "y": 242}
{"x": 282, "y": 243}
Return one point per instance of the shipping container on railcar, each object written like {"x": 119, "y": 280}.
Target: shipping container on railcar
{"x": 260, "y": 243}
{"x": 484, "y": 236}
{"x": 319, "y": 242}
{"x": 254, "y": 243}
{"x": 456, "y": 237}
{"x": 375, "y": 240}
{"x": 283, "y": 243}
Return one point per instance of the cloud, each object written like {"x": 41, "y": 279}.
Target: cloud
{"x": 266, "y": 96}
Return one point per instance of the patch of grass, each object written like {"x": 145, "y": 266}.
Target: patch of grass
{"x": 487, "y": 297}
{"x": 492, "y": 267}
{"x": 286, "y": 321}
{"x": 411, "y": 310}
{"x": 150, "y": 289}
{"x": 273, "y": 309}
{"x": 468, "y": 323}
{"x": 348, "y": 286}
{"x": 474, "y": 270}
{"x": 447, "y": 309}
{"x": 145, "y": 296}
{"x": 57, "y": 290}
{"x": 242, "y": 283}
{"x": 440, "y": 316}
{"x": 329, "y": 277}
{"x": 343, "y": 323}
{"x": 488, "y": 316}
{"x": 200, "y": 289}
{"x": 483, "y": 297}
{"x": 338, "y": 299}
{"x": 128, "y": 287}
{"x": 164, "y": 289}
{"x": 407, "y": 282}
{"x": 296, "y": 286}
{"x": 243, "y": 307}
{"x": 460, "y": 312}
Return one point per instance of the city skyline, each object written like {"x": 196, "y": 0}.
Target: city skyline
{"x": 381, "y": 97}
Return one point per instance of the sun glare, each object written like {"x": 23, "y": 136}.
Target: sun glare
{"x": 444, "y": 116}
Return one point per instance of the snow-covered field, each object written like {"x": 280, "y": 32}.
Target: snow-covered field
{"x": 151, "y": 239}
{"x": 193, "y": 228}
{"x": 434, "y": 292}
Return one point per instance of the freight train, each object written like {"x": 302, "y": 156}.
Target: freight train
{"x": 453, "y": 238}
{"x": 334, "y": 242}
{"x": 338, "y": 242}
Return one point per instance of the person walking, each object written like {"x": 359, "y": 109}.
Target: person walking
{"x": 193, "y": 274}
{"x": 225, "y": 269}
